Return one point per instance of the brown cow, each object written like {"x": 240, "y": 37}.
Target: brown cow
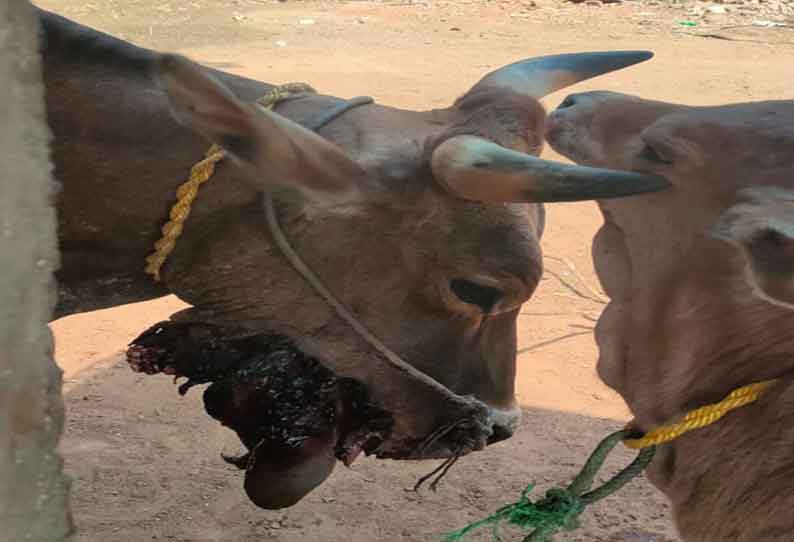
{"x": 408, "y": 218}
{"x": 684, "y": 327}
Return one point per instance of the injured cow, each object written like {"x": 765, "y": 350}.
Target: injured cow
{"x": 425, "y": 227}
{"x": 684, "y": 327}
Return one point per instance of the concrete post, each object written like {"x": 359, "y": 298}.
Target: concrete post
{"x": 33, "y": 489}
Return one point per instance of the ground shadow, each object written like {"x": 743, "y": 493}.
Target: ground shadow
{"x": 146, "y": 466}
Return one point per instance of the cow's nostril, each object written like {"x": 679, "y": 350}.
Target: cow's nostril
{"x": 567, "y": 102}
{"x": 500, "y": 433}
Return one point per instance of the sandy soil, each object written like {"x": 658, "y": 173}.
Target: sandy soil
{"x": 146, "y": 463}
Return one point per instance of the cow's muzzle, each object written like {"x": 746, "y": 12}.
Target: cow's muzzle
{"x": 504, "y": 424}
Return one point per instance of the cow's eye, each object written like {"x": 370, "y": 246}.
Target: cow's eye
{"x": 472, "y": 293}
{"x": 651, "y": 154}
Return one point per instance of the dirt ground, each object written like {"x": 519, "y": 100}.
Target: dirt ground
{"x": 146, "y": 464}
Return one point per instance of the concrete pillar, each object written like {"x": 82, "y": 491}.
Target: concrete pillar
{"x": 33, "y": 489}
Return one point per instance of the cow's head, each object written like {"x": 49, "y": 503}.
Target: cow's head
{"x": 424, "y": 225}
{"x": 685, "y": 326}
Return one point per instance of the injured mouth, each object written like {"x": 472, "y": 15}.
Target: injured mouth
{"x": 294, "y": 416}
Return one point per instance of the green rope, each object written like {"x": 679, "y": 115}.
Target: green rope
{"x": 561, "y": 507}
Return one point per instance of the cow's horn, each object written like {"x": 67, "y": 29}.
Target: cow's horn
{"x": 477, "y": 169}
{"x": 543, "y": 75}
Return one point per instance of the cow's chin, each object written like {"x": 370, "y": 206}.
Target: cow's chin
{"x": 294, "y": 416}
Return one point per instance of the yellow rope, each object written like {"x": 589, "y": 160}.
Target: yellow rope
{"x": 199, "y": 174}
{"x": 701, "y": 417}
{"x": 185, "y": 194}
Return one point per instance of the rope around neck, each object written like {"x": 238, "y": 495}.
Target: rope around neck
{"x": 561, "y": 507}
{"x": 185, "y": 194}
{"x": 701, "y": 417}
{"x": 203, "y": 171}
{"x": 199, "y": 174}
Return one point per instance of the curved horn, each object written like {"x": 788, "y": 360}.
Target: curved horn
{"x": 477, "y": 169}
{"x": 543, "y": 75}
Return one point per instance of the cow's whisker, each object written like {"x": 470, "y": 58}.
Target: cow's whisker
{"x": 435, "y": 436}
{"x": 439, "y": 473}
{"x": 446, "y": 466}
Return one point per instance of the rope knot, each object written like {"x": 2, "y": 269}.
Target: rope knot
{"x": 561, "y": 507}
{"x": 558, "y": 510}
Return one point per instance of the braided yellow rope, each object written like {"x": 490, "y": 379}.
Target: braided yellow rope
{"x": 185, "y": 194}
{"x": 199, "y": 174}
{"x": 701, "y": 417}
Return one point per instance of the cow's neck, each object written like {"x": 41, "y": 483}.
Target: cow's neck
{"x": 119, "y": 156}
{"x": 714, "y": 337}
{"x": 734, "y": 480}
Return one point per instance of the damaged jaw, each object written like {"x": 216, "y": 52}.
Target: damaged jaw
{"x": 295, "y": 418}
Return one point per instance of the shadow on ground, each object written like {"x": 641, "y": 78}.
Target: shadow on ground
{"x": 146, "y": 466}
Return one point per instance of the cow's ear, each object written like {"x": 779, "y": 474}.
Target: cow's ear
{"x": 762, "y": 227}
{"x": 771, "y": 264}
{"x": 276, "y": 151}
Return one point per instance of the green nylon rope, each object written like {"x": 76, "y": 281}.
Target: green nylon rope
{"x": 561, "y": 507}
